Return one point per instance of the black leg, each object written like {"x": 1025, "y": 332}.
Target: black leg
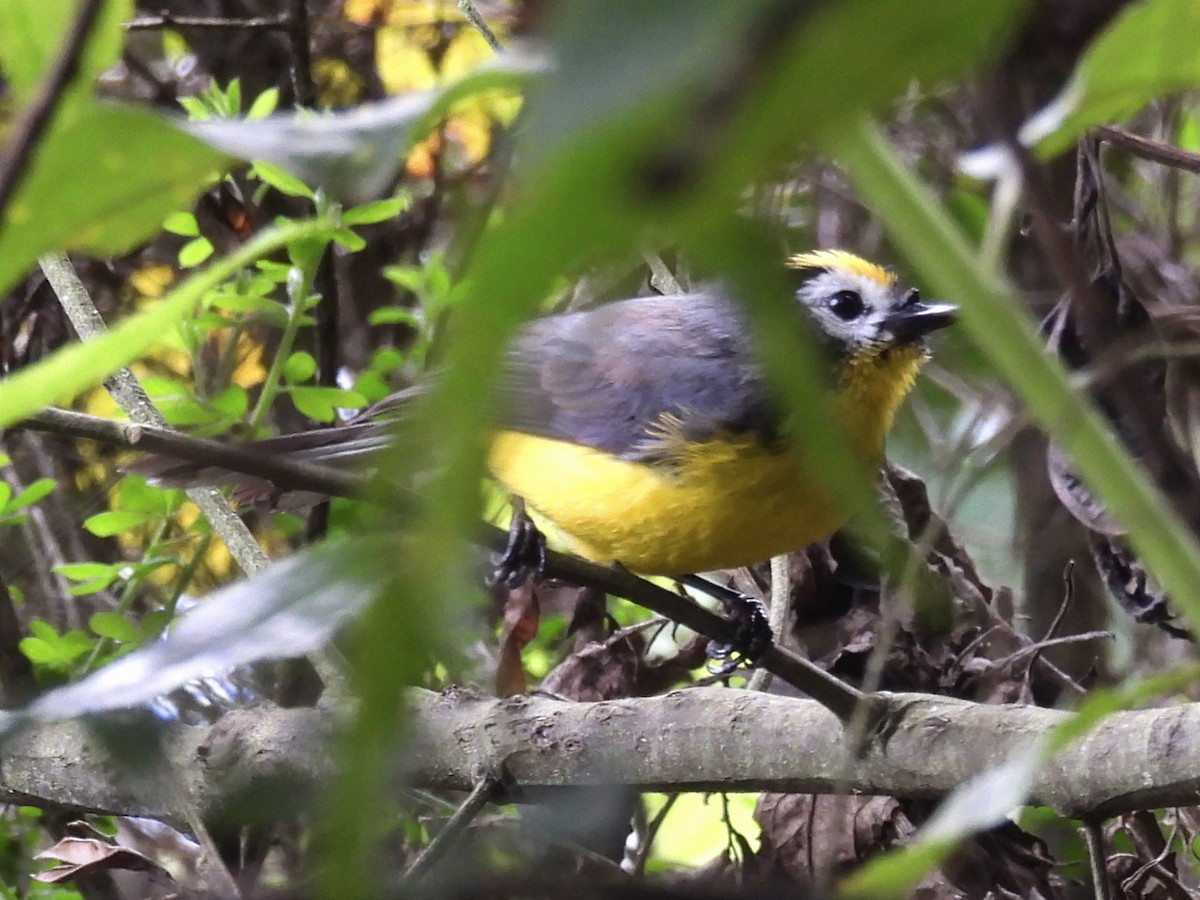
{"x": 525, "y": 553}
{"x": 753, "y": 637}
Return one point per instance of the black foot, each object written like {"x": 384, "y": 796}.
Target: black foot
{"x": 525, "y": 553}
{"x": 753, "y": 637}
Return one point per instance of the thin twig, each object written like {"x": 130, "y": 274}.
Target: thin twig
{"x": 652, "y": 828}
{"x": 1056, "y": 622}
{"x": 1166, "y": 877}
{"x": 128, "y": 393}
{"x": 781, "y": 590}
{"x": 463, "y": 816}
{"x": 467, "y": 8}
{"x": 662, "y": 279}
{"x": 167, "y": 20}
{"x": 18, "y": 149}
{"x": 284, "y": 473}
{"x": 1145, "y": 148}
{"x": 838, "y": 697}
{"x": 1094, "y": 838}
{"x": 1081, "y": 637}
{"x": 51, "y": 544}
{"x": 297, "y": 32}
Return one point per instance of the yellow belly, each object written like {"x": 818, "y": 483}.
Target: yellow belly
{"x": 725, "y": 503}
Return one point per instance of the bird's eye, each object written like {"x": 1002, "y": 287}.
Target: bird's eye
{"x": 846, "y": 305}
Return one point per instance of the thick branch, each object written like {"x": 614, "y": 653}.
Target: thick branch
{"x": 693, "y": 740}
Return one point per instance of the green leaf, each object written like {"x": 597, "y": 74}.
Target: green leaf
{"x": 187, "y": 413}
{"x": 38, "y": 651}
{"x": 411, "y": 278}
{"x": 386, "y": 359}
{"x": 32, "y": 494}
{"x": 281, "y": 180}
{"x": 394, "y": 315}
{"x": 195, "y": 108}
{"x": 175, "y": 401}
{"x": 114, "y": 521}
{"x": 140, "y": 169}
{"x": 182, "y": 223}
{"x": 348, "y": 239}
{"x": 232, "y": 402}
{"x": 77, "y": 367}
{"x": 264, "y": 104}
{"x": 5, "y": 493}
{"x": 113, "y": 625}
{"x": 371, "y": 386}
{"x": 84, "y": 570}
{"x": 194, "y": 252}
{"x": 32, "y": 32}
{"x": 379, "y": 211}
{"x": 134, "y": 494}
{"x": 49, "y": 648}
{"x": 249, "y": 303}
{"x": 322, "y": 403}
{"x": 231, "y": 100}
{"x": 300, "y": 366}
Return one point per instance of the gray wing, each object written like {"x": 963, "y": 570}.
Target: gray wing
{"x": 615, "y": 377}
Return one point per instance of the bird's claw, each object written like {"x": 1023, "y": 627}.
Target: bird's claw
{"x": 752, "y": 639}
{"x": 524, "y": 555}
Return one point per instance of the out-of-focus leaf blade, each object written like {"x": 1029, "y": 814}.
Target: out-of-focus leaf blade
{"x": 353, "y": 155}
{"x": 139, "y": 169}
{"x": 292, "y": 608}
{"x": 31, "y": 32}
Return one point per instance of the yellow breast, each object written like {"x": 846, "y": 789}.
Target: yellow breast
{"x": 727, "y": 502}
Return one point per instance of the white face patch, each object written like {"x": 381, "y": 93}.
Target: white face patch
{"x": 851, "y": 307}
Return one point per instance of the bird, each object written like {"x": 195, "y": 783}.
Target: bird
{"x": 644, "y": 433}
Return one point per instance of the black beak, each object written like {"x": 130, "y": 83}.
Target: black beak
{"x": 914, "y": 319}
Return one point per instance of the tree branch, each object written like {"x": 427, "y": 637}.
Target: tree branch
{"x": 699, "y": 739}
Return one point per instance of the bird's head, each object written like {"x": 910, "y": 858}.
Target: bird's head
{"x": 873, "y": 329}
{"x": 861, "y": 310}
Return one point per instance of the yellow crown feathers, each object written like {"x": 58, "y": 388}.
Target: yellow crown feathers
{"x": 846, "y": 262}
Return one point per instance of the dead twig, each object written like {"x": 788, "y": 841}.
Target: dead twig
{"x": 1144, "y": 148}
{"x": 168, "y": 20}
{"x": 484, "y": 791}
